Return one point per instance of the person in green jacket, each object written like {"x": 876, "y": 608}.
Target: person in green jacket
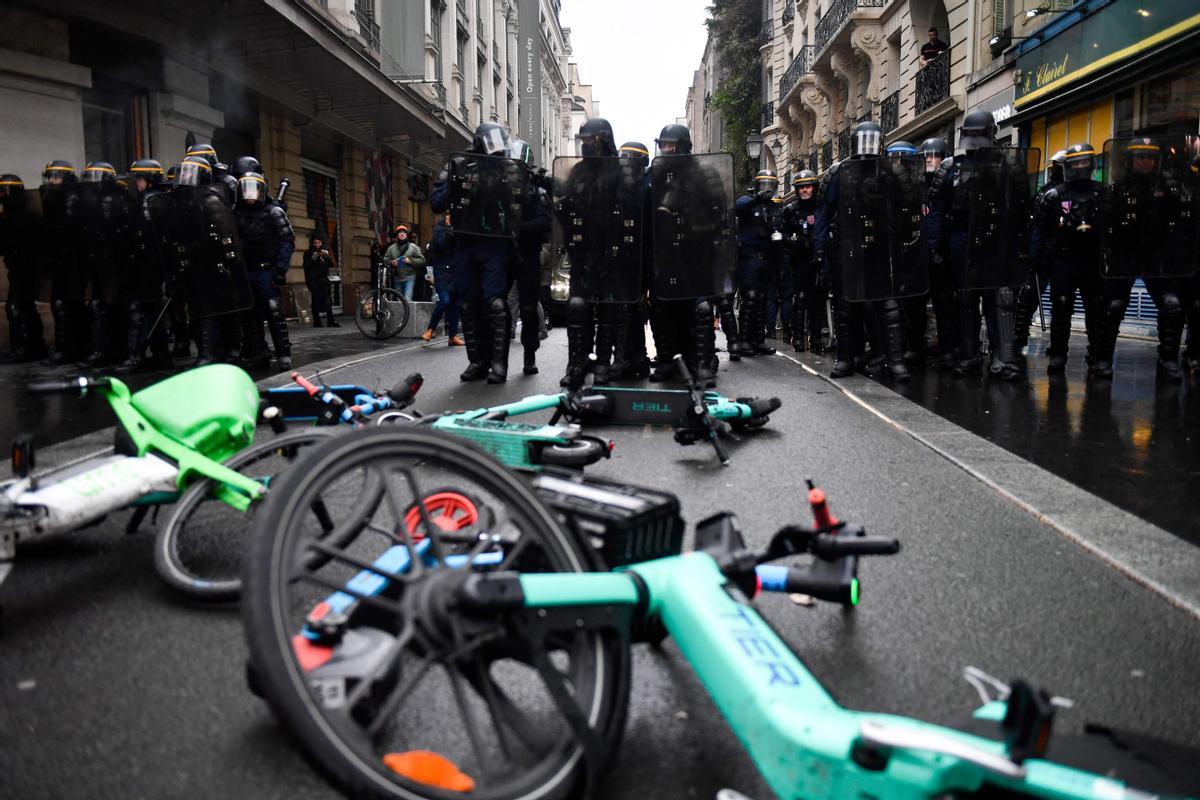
{"x": 404, "y": 258}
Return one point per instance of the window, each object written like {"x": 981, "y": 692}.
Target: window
{"x": 1001, "y": 16}
{"x": 436, "y": 9}
{"x": 460, "y": 55}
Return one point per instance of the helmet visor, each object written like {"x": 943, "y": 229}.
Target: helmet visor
{"x": 867, "y": 143}
{"x": 1079, "y": 168}
{"x": 494, "y": 141}
{"x": 97, "y": 174}
{"x": 766, "y": 184}
{"x": 191, "y": 173}
{"x": 251, "y": 188}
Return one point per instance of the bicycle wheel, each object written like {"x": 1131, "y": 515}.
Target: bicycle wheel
{"x": 392, "y": 691}
{"x": 197, "y": 550}
{"x": 382, "y": 314}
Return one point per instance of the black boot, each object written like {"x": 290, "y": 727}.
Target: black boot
{"x": 799, "y": 320}
{"x": 891, "y": 322}
{"x": 1027, "y": 305}
{"x": 207, "y": 332}
{"x": 1061, "y": 309}
{"x": 846, "y": 341}
{"x": 530, "y": 339}
{"x": 499, "y": 319}
{"x": 579, "y": 345}
{"x": 1170, "y": 332}
{"x": 135, "y": 361}
{"x": 64, "y": 318}
{"x": 477, "y": 364}
{"x": 277, "y": 327}
{"x": 704, "y": 344}
{"x": 745, "y": 342}
{"x": 101, "y": 333}
{"x": 729, "y": 327}
{"x": 1002, "y": 319}
{"x": 606, "y": 339}
{"x": 945, "y": 313}
{"x": 620, "y": 363}
{"x": 758, "y": 310}
{"x": 969, "y": 319}
{"x": 331, "y": 321}
{"x": 1100, "y": 355}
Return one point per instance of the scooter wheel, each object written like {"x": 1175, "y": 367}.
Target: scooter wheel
{"x": 577, "y": 453}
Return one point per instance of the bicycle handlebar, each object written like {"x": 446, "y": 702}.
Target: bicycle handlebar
{"x": 830, "y": 547}
{"x": 405, "y": 392}
{"x": 80, "y": 384}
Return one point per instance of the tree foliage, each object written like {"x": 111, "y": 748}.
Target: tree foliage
{"x": 734, "y": 26}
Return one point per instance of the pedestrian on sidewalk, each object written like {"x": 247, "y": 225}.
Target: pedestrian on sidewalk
{"x": 317, "y": 264}
{"x": 404, "y": 258}
{"x": 441, "y": 275}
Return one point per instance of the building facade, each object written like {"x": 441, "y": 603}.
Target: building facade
{"x": 704, "y": 124}
{"x": 357, "y": 102}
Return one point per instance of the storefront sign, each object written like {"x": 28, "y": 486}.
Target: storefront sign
{"x": 529, "y": 73}
{"x": 1111, "y": 34}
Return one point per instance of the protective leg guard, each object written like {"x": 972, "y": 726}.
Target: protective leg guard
{"x": 1170, "y": 332}
{"x": 207, "y": 333}
{"x": 891, "y": 321}
{"x": 579, "y": 345}
{"x": 1027, "y": 304}
{"x": 477, "y": 366}
{"x": 945, "y": 312}
{"x": 913, "y": 310}
{"x": 969, "y": 317}
{"x": 1002, "y": 313}
{"x": 1062, "y": 307}
{"x": 101, "y": 333}
{"x": 847, "y": 344}
{"x": 704, "y": 344}
{"x": 637, "y": 361}
{"x": 499, "y": 319}
{"x": 758, "y": 303}
{"x": 729, "y": 326}
{"x": 530, "y": 340}
{"x": 277, "y": 327}
{"x": 620, "y": 315}
{"x": 745, "y": 324}
{"x": 64, "y": 318}
{"x": 1100, "y": 357}
{"x": 135, "y": 341}
{"x": 606, "y": 341}
{"x": 799, "y": 322}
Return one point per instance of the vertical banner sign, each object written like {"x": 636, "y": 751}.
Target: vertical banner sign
{"x": 529, "y": 72}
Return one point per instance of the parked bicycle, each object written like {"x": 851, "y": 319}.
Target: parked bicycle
{"x": 382, "y": 312}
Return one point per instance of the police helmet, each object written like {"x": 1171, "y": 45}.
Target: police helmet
{"x": 244, "y": 164}
{"x": 766, "y": 181}
{"x": 805, "y": 177}
{"x": 171, "y": 174}
{"x": 1054, "y": 170}
{"x": 148, "y": 169}
{"x": 866, "y": 140}
{"x": 59, "y": 171}
{"x": 634, "y": 150}
{"x": 252, "y": 188}
{"x": 1143, "y": 156}
{"x": 10, "y": 184}
{"x": 934, "y": 147}
{"x": 491, "y": 139}
{"x": 677, "y": 137}
{"x": 205, "y": 151}
{"x": 1079, "y": 162}
{"x": 193, "y": 171}
{"x": 901, "y": 148}
{"x": 519, "y": 150}
{"x": 978, "y": 130}
{"x": 99, "y": 172}
{"x": 596, "y": 138}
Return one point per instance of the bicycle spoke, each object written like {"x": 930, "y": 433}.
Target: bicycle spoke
{"x": 506, "y": 713}
{"x": 467, "y": 717}
{"x": 395, "y": 701}
{"x": 395, "y": 651}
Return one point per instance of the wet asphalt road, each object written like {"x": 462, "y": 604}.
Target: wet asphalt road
{"x": 112, "y": 687}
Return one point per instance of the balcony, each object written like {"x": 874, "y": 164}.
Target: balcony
{"x": 843, "y": 144}
{"x": 800, "y": 65}
{"x": 768, "y": 114}
{"x": 933, "y": 83}
{"x": 827, "y": 154}
{"x": 835, "y": 18}
{"x": 364, "y": 12}
{"x": 460, "y": 8}
{"x": 889, "y": 112}
{"x": 765, "y": 33}
{"x": 789, "y": 12}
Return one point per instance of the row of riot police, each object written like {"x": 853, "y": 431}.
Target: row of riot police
{"x": 127, "y": 261}
{"x": 641, "y": 240}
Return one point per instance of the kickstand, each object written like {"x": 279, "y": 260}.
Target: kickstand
{"x": 135, "y": 521}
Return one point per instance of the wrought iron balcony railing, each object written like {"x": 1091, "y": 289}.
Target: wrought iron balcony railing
{"x": 827, "y": 154}
{"x": 766, "y": 32}
{"x": 364, "y": 12}
{"x": 889, "y": 112}
{"x": 836, "y": 16}
{"x": 933, "y": 82}
{"x": 800, "y": 65}
{"x": 789, "y": 11}
{"x": 843, "y": 146}
{"x": 768, "y": 114}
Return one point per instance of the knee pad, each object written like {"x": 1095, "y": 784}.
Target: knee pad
{"x": 702, "y": 310}
{"x": 1115, "y": 306}
{"x": 274, "y": 306}
{"x": 1005, "y": 298}
{"x": 498, "y": 306}
{"x": 1169, "y": 303}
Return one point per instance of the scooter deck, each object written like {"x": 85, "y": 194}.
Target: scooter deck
{"x": 638, "y": 406}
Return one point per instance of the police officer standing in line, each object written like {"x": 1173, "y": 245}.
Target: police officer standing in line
{"x": 267, "y": 245}
{"x": 882, "y": 316}
{"x": 18, "y": 246}
{"x": 1066, "y": 244}
{"x": 60, "y": 260}
{"x": 1028, "y": 296}
{"x": 941, "y": 283}
{"x": 913, "y": 308}
{"x": 808, "y": 304}
{"x": 143, "y": 278}
{"x": 635, "y": 362}
{"x": 526, "y": 273}
{"x": 760, "y": 249}
{"x": 481, "y": 264}
{"x": 107, "y": 252}
{"x": 950, "y": 197}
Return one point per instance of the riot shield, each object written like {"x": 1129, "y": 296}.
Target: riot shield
{"x": 1148, "y": 224}
{"x": 487, "y": 195}
{"x": 599, "y": 206}
{"x": 880, "y": 249}
{"x": 1000, "y": 215}
{"x": 691, "y": 201}
{"x": 209, "y": 272}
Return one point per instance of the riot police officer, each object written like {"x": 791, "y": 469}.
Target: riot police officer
{"x": 1029, "y": 293}
{"x": 941, "y": 283}
{"x": 220, "y": 172}
{"x": 635, "y": 362}
{"x": 527, "y": 257}
{"x": 61, "y": 254}
{"x": 144, "y": 275}
{"x": 267, "y": 244}
{"x": 882, "y": 316}
{"x": 1066, "y": 244}
{"x": 808, "y": 304}
{"x": 983, "y": 269}
{"x": 481, "y": 258}
{"x": 760, "y": 251}
{"x": 914, "y": 308}
{"x": 20, "y": 214}
{"x": 106, "y": 250}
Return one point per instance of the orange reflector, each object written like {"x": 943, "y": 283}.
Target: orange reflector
{"x": 430, "y": 769}
{"x": 310, "y": 655}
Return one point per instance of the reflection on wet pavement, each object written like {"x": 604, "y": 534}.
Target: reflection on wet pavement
{"x": 57, "y": 418}
{"x": 1133, "y": 440}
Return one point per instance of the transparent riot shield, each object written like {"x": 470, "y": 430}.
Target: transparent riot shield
{"x": 1000, "y": 215}
{"x": 487, "y": 195}
{"x": 691, "y": 202}
{"x": 599, "y": 206}
{"x": 209, "y": 274}
{"x": 881, "y": 252}
{"x": 1149, "y": 220}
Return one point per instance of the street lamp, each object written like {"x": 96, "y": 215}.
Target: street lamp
{"x": 754, "y": 143}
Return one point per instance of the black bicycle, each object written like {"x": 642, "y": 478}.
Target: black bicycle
{"x": 383, "y": 312}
